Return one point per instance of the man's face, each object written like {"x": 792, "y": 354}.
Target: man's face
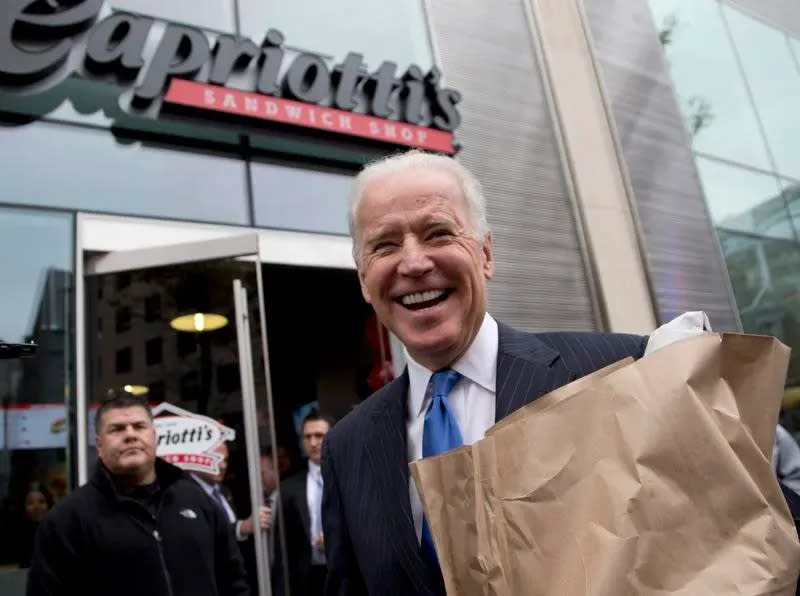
{"x": 269, "y": 480}
{"x": 314, "y": 432}
{"x": 126, "y": 442}
{"x": 421, "y": 267}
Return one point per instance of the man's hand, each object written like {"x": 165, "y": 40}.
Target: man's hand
{"x": 264, "y": 521}
{"x": 319, "y": 542}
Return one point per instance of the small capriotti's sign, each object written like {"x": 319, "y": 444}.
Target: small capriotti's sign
{"x": 189, "y": 440}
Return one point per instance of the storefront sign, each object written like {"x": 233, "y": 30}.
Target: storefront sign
{"x": 188, "y": 440}
{"x": 37, "y": 37}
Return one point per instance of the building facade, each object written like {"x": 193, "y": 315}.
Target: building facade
{"x": 164, "y": 160}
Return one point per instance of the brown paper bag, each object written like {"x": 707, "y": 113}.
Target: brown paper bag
{"x": 654, "y": 479}
{"x": 557, "y": 395}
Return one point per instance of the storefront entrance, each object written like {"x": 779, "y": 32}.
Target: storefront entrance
{"x": 183, "y": 326}
{"x": 208, "y": 329}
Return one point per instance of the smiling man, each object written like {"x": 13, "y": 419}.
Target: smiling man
{"x": 424, "y": 255}
{"x": 138, "y": 527}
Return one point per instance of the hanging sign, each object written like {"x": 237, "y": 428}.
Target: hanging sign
{"x": 189, "y": 440}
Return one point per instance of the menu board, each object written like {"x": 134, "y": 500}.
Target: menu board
{"x": 35, "y": 426}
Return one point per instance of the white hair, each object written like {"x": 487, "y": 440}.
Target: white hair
{"x": 471, "y": 188}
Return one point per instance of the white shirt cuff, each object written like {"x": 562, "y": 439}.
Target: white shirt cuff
{"x": 239, "y": 536}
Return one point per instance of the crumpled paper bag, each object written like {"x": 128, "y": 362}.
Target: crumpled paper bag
{"x": 651, "y": 479}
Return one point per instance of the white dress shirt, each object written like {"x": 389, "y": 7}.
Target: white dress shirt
{"x": 209, "y": 487}
{"x": 472, "y": 400}
{"x": 314, "y": 497}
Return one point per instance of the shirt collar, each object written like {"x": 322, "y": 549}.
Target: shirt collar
{"x": 205, "y": 485}
{"x": 478, "y": 364}
{"x": 314, "y": 469}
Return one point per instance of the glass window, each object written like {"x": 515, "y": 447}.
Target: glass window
{"x": 36, "y": 280}
{"x": 300, "y": 198}
{"x": 122, "y": 319}
{"x": 791, "y": 196}
{"x": 394, "y": 31}
{"x": 775, "y": 83}
{"x": 711, "y": 91}
{"x": 124, "y": 360}
{"x": 76, "y": 168}
{"x": 743, "y": 200}
{"x": 153, "y": 351}
{"x": 217, "y": 15}
{"x": 766, "y": 283}
{"x": 152, "y": 308}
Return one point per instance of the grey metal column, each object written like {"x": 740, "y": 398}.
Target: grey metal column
{"x": 251, "y": 432}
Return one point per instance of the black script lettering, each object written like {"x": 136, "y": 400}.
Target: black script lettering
{"x": 308, "y": 79}
{"x": 445, "y": 115}
{"x": 116, "y": 45}
{"x": 162, "y": 439}
{"x": 413, "y": 94}
{"x": 182, "y": 51}
{"x": 48, "y": 32}
{"x": 174, "y": 438}
{"x": 185, "y": 435}
{"x": 346, "y": 77}
{"x": 270, "y": 61}
{"x": 443, "y": 102}
{"x": 231, "y": 53}
{"x": 380, "y": 87}
{"x": 209, "y": 434}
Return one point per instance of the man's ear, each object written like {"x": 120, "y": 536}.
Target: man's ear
{"x": 364, "y": 290}
{"x": 488, "y": 257}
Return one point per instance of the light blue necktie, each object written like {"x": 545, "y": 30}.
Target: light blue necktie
{"x": 440, "y": 434}
{"x": 317, "y": 555}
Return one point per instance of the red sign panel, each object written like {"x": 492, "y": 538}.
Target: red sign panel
{"x": 285, "y": 111}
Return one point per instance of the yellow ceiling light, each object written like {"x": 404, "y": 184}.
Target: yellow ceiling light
{"x": 198, "y": 322}
{"x": 136, "y": 389}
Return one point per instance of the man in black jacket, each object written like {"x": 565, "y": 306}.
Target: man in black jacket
{"x": 140, "y": 526}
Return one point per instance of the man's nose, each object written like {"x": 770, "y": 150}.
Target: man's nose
{"x": 414, "y": 259}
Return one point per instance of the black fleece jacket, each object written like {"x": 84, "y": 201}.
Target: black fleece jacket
{"x": 97, "y": 541}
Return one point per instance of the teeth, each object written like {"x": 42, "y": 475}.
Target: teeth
{"x": 418, "y": 297}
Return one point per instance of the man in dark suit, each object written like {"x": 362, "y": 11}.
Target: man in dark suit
{"x": 301, "y": 499}
{"x": 424, "y": 255}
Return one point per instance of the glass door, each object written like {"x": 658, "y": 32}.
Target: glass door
{"x": 183, "y": 326}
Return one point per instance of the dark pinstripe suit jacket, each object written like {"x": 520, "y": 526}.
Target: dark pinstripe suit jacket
{"x": 370, "y": 540}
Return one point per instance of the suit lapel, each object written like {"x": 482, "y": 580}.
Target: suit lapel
{"x": 526, "y": 370}
{"x": 387, "y": 455}
{"x": 302, "y": 504}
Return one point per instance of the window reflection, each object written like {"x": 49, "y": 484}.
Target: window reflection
{"x": 744, "y": 200}
{"x": 36, "y": 304}
{"x": 300, "y": 199}
{"x": 775, "y": 84}
{"x": 394, "y": 31}
{"x": 711, "y": 91}
{"x": 75, "y": 168}
{"x": 765, "y": 275}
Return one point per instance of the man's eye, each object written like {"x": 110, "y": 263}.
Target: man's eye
{"x": 383, "y": 246}
{"x": 441, "y": 233}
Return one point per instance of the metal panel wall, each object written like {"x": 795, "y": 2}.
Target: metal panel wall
{"x": 486, "y": 51}
{"x": 686, "y": 265}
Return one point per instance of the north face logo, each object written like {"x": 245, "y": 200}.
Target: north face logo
{"x": 34, "y": 36}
